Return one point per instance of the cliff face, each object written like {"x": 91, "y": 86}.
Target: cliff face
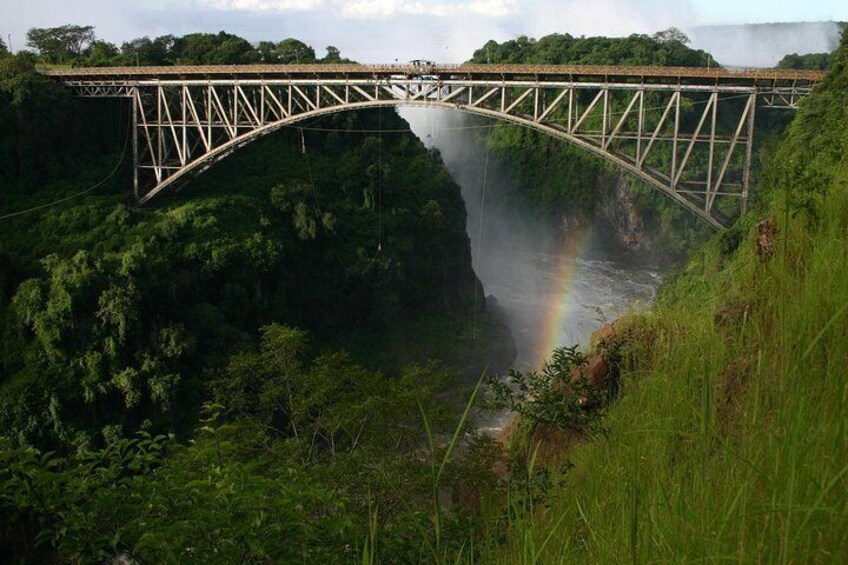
{"x": 617, "y": 210}
{"x": 630, "y": 225}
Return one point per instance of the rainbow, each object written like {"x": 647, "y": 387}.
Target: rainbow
{"x": 560, "y": 294}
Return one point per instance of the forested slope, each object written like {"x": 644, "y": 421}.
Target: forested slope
{"x": 728, "y": 439}
{"x": 173, "y": 380}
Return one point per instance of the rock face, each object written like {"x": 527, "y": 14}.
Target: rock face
{"x": 618, "y": 211}
{"x": 595, "y": 371}
{"x": 625, "y": 229}
{"x": 598, "y": 380}
{"x": 606, "y": 336}
{"x": 600, "y": 371}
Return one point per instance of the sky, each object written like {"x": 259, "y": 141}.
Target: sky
{"x": 379, "y": 31}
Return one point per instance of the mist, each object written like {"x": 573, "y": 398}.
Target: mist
{"x": 764, "y": 45}
{"x": 547, "y": 296}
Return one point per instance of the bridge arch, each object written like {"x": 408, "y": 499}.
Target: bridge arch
{"x": 227, "y": 148}
{"x": 187, "y": 118}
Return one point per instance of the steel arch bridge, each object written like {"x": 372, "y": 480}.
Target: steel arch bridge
{"x": 688, "y": 132}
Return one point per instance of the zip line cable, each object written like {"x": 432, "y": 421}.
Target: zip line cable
{"x": 309, "y": 170}
{"x": 72, "y": 196}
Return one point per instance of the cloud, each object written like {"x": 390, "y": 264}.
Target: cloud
{"x": 389, "y": 8}
{"x": 605, "y": 17}
{"x": 369, "y": 9}
{"x": 493, "y": 8}
{"x": 262, "y": 5}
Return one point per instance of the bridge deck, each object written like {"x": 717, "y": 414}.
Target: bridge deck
{"x": 682, "y": 75}
{"x": 188, "y": 117}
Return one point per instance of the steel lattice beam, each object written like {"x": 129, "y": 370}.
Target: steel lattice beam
{"x": 692, "y": 141}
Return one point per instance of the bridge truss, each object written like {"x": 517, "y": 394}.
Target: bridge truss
{"x": 690, "y": 137}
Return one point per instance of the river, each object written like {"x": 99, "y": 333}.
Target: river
{"x": 554, "y": 287}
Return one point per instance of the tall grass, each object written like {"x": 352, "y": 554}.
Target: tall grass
{"x": 730, "y": 438}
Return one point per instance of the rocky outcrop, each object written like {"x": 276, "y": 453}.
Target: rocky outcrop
{"x": 596, "y": 380}
{"x": 622, "y": 219}
{"x": 622, "y": 224}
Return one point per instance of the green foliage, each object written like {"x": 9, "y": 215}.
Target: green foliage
{"x": 664, "y": 49}
{"x": 807, "y": 62}
{"x": 78, "y": 45}
{"x": 333, "y": 56}
{"x": 146, "y": 51}
{"x": 60, "y": 44}
{"x": 101, "y": 53}
{"x": 288, "y": 51}
{"x": 331, "y": 404}
{"x": 728, "y": 442}
{"x": 244, "y": 488}
{"x": 205, "y": 502}
{"x": 212, "y": 49}
{"x": 551, "y": 397}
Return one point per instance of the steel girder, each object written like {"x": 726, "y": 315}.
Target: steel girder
{"x": 692, "y": 142}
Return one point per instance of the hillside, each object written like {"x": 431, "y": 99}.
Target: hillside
{"x": 259, "y": 342}
{"x": 728, "y": 438}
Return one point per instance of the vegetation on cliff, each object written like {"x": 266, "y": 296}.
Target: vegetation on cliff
{"x": 156, "y": 399}
{"x": 173, "y": 386}
{"x": 557, "y": 180}
{"x": 727, "y": 441}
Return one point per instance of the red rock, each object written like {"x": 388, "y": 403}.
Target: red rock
{"x": 594, "y": 371}
{"x": 604, "y": 336}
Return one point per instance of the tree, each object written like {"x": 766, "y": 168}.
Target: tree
{"x": 213, "y": 49}
{"x": 234, "y": 50}
{"x": 810, "y": 61}
{"x": 3, "y": 49}
{"x": 60, "y": 44}
{"x": 672, "y": 34}
{"x": 267, "y": 51}
{"x": 144, "y": 51}
{"x": 101, "y": 53}
{"x": 292, "y": 51}
{"x": 333, "y": 55}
